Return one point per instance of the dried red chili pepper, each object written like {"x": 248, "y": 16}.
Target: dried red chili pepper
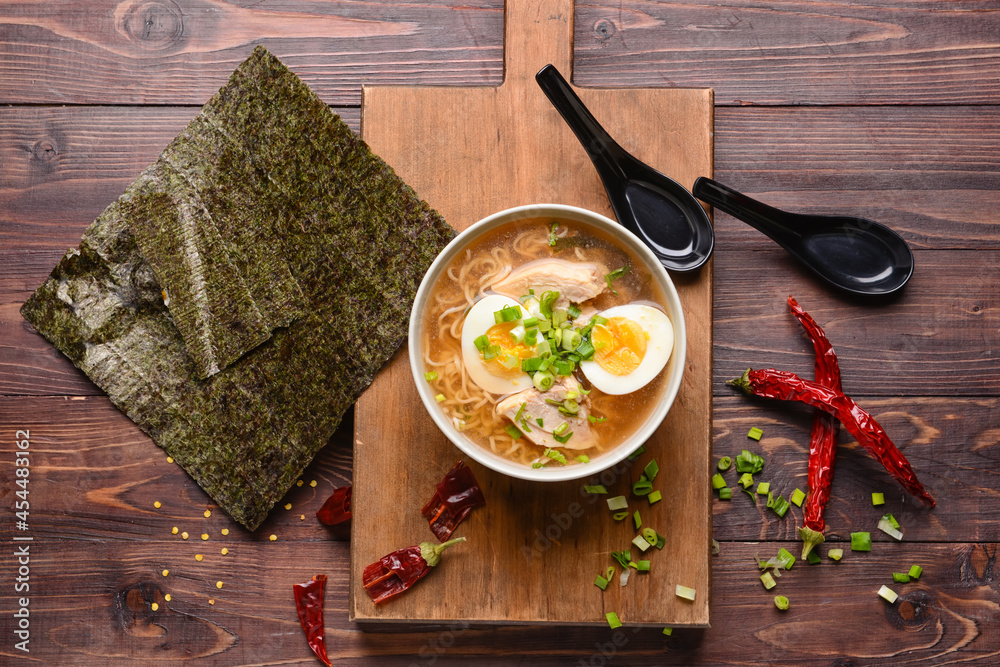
{"x": 823, "y": 438}
{"x": 337, "y": 508}
{"x": 785, "y": 386}
{"x": 309, "y": 603}
{"x": 455, "y": 497}
{"x": 395, "y": 573}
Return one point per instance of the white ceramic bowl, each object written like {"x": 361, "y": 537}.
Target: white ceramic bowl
{"x": 674, "y": 367}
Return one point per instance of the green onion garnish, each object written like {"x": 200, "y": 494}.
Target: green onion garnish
{"x": 642, "y": 566}
{"x": 892, "y": 521}
{"x": 507, "y": 314}
{"x": 637, "y": 520}
{"x": 614, "y": 275}
{"x": 641, "y": 543}
{"x": 518, "y": 333}
{"x": 610, "y": 572}
{"x": 786, "y": 558}
{"x": 439, "y": 398}
{"x": 649, "y": 535}
{"x": 513, "y": 431}
{"x": 780, "y": 506}
{"x": 622, "y": 557}
{"x": 763, "y": 488}
{"x": 755, "y": 433}
{"x": 861, "y": 541}
{"x": 563, "y": 367}
{"x": 660, "y": 541}
{"x": 798, "y": 497}
{"x": 481, "y": 342}
{"x": 596, "y": 488}
{"x": 613, "y": 620}
{"x": 684, "y": 592}
{"x": 537, "y": 464}
{"x": 878, "y": 499}
{"x": 530, "y": 322}
{"x": 562, "y": 428}
{"x": 573, "y": 311}
{"x": 888, "y": 594}
{"x": 563, "y": 439}
{"x": 601, "y": 582}
{"x": 430, "y": 376}
{"x": 781, "y": 602}
{"x": 915, "y": 571}
{"x": 668, "y": 631}
{"x": 553, "y": 238}
{"x": 900, "y": 577}
{"x": 583, "y": 458}
{"x": 749, "y": 462}
{"x": 541, "y": 422}
{"x": 585, "y": 349}
{"x": 835, "y": 554}
{"x": 768, "y": 580}
{"x": 617, "y": 503}
{"x": 619, "y": 516}
{"x": 885, "y": 524}
{"x": 543, "y": 380}
{"x": 724, "y": 464}
{"x": 520, "y": 411}
{"x": 596, "y": 420}
{"x": 656, "y": 497}
{"x": 651, "y": 469}
{"x": 569, "y": 407}
{"x": 555, "y": 455}
{"x": 813, "y": 557}
{"x": 634, "y": 455}
{"x": 746, "y": 480}
{"x": 643, "y": 487}
{"x": 725, "y": 493}
{"x": 718, "y": 482}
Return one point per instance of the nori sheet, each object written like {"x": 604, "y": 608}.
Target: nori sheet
{"x": 289, "y": 255}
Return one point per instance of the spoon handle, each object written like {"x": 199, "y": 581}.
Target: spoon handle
{"x": 604, "y": 152}
{"x": 758, "y": 215}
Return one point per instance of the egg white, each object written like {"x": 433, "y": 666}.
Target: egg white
{"x": 658, "y": 349}
{"x": 477, "y": 321}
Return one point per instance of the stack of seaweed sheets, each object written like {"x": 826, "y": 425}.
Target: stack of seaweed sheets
{"x": 245, "y": 289}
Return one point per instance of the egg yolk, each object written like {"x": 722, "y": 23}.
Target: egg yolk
{"x": 619, "y": 345}
{"x": 511, "y": 352}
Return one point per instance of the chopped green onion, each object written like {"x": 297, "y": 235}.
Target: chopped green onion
{"x": 716, "y": 548}
{"x": 780, "y": 506}
{"x": 892, "y": 521}
{"x": 770, "y": 500}
{"x": 507, "y": 314}
{"x": 569, "y": 407}
{"x": 781, "y": 602}
{"x": 490, "y": 351}
{"x": 668, "y": 631}
{"x": 583, "y": 458}
{"x": 888, "y": 594}
{"x": 544, "y": 350}
{"x": 614, "y": 275}
{"x": 861, "y": 541}
{"x": 651, "y": 469}
{"x": 798, "y": 497}
{"x": 571, "y": 340}
{"x": 574, "y": 311}
{"x": 763, "y": 488}
{"x": 537, "y": 464}
{"x": 900, "y": 577}
{"x": 643, "y": 487}
{"x": 641, "y": 543}
{"x": 725, "y": 493}
{"x": 559, "y": 317}
{"x": 915, "y": 571}
{"x": 520, "y": 411}
{"x": 552, "y": 234}
{"x": 617, "y": 503}
{"x": 637, "y": 520}
{"x": 634, "y": 455}
{"x": 755, "y": 433}
{"x": 601, "y": 582}
{"x": 513, "y": 431}
{"x": 813, "y": 558}
{"x": 530, "y": 322}
{"x": 684, "y": 592}
{"x": 655, "y": 497}
{"x": 543, "y": 380}
{"x": 619, "y": 516}
{"x": 585, "y": 349}
{"x": 724, "y": 464}
{"x": 717, "y": 482}
{"x": 660, "y": 541}
{"x": 649, "y": 534}
{"x": 562, "y": 439}
{"x": 549, "y": 297}
{"x": 555, "y": 455}
{"x": 613, "y": 620}
{"x": 878, "y": 499}
{"x": 642, "y": 566}
{"x": 518, "y": 333}
{"x": 430, "y": 376}
{"x": 622, "y": 557}
{"x": 610, "y": 572}
{"x": 596, "y": 489}
{"x": 540, "y": 421}
{"x": 886, "y": 527}
{"x": 749, "y": 462}
{"x": 532, "y": 364}
{"x": 563, "y": 367}
{"x": 481, "y": 342}
{"x": 835, "y": 554}
{"x": 786, "y": 558}
{"x": 746, "y": 480}
{"x": 768, "y": 580}
{"x": 596, "y": 420}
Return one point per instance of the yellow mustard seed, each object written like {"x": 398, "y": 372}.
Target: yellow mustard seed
{"x": 198, "y": 557}
{"x": 273, "y": 538}
{"x": 173, "y": 531}
{"x": 184, "y": 535}
{"x": 154, "y": 606}
{"x": 165, "y": 572}
{"x": 170, "y": 459}
{"x": 224, "y": 551}
{"x": 218, "y": 584}
{"x": 208, "y": 513}
{"x": 167, "y": 597}
{"x": 211, "y": 601}
{"x": 225, "y": 531}
{"x": 157, "y": 504}
{"x": 312, "y": 483}
{"x": 204, "y": 536}
{"x": 288, "y": 506}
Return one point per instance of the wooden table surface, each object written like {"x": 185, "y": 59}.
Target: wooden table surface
{"x": 885, "y": 110}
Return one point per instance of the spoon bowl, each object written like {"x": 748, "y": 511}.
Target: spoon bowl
{"x": 654, "y": 207}
{"x": 853, "y": 254}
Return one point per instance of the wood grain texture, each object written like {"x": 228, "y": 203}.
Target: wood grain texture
{"x": 472, "y": 152}
{"x": 797, "y": 52}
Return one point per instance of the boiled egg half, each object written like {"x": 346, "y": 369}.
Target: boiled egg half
{"x": 630, "y": 349}
{"x": 502, "y": 373}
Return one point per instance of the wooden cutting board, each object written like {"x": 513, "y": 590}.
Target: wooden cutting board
{"x": 533, "y": 552}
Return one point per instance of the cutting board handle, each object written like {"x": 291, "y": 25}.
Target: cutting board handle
{"x": 536, "y": 33}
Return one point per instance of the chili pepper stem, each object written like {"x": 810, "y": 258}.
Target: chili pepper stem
{"x": 431, "y": 552}
{"x": 810, "y": 539}
{"x": 742, "y": 382}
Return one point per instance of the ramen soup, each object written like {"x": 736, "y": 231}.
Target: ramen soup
{"x": 545, "y": 343}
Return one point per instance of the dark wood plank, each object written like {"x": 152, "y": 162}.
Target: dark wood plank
{"x": 797, "y": 52}
{"x": 164, "y": 52}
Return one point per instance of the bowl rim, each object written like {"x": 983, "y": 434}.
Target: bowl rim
{"x": 578, "y": 215}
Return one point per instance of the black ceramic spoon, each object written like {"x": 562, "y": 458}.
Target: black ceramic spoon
{"x": 856, "y": 255}
{"x": 657, "y": 209}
